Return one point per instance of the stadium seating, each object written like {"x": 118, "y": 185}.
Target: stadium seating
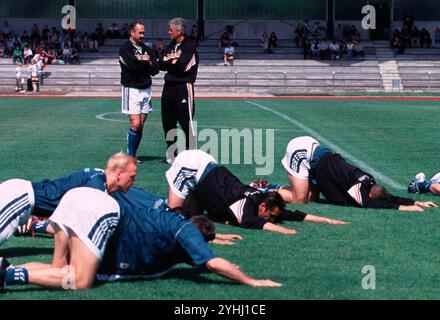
{"x": 283, "y": 72}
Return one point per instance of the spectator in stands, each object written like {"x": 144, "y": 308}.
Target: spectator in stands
{"x": 125, "y": 32}
{"x": 406, "y": 36}
{"x": 425, "y": 38}
{"x": 40, "y": 69}
{"x": 51, "y": 56}
{"x": 437, "y": 37}
{"x": 74, "y": 55}
{"x": 398, "y": 44}
{"x": 195, "y": 33}
{"x": 324, "y": 48}
{"x": 66, "y": 54}
{"x": 408, "y": 20}
{"x": 34, "y": 75}
{"x": 307, "y": 48}
{"x": 300, "y": 33}
{"x": 2, "y": 50}
{"x": 415, "y": 37}
{"x": 113, "y": 31}
{"x": 100, "y": 36}
{"x": 335, "y": 50}
{"x": 350, "y": 46}
{"x": 315, "y": 49}
{"x": 339, "y": 33}
{"x": 273, "y": 42}
{"x": 35, "y": 33}
{"x": 6, "y": 29}
{"x": 264, "y": 41}
{"x": 17, "y": 54}
{"x": 229, "y": 54}
{"x": 27, "y": 55}
{"x": 45, "y": 33}
{"x": 159, "y": 48}
{"x": 93, "y": 42}
{"x": 77, "y": 41}
{"x": 19, "y": 78}
{"x": 358, "y": 49}
{"x": 224, "y": 40}
{"x": 25, "y": 39}
{"x": 354, "y": 34}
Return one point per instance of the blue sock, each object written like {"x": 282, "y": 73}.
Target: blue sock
{"x": 138, "y": 142}
{"x": 133, "y": 142}
{"x": 424, "y": 186}
{"x": 16, "y": 276}
{"x": 40, "y": 226}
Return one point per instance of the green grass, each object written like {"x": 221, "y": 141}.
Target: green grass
{"x": 52, "y": 137}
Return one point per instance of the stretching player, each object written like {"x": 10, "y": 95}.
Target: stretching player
{"x": 225, "y": 197}
{"x": 138, "y": 64}
{"x": 83, "y": 221}
{"x": 20, "y": 198}
{"x": 340, "y": 182}
{"x": 151, "y": 240}
{"x": 420, "y": 185}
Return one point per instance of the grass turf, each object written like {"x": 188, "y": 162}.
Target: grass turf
{"x": 53, "y": 137}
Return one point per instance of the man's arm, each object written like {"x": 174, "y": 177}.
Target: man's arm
{"x": 312, "y": 218}
{"x": 268, "y": 226}
{"x": 226, "y": 269}
{"x": 128, "y": 59}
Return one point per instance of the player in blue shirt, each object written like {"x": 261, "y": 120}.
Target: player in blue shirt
{"x": 151, "y": 239}
{"x": 20, "y": 198}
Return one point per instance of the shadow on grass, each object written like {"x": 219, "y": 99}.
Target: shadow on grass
{"x": 194, "y": 275}
{"x": 23, "y": 252}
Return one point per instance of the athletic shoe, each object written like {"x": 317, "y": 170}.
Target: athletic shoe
{"x": 415, "y": 185}
{"x": 435, "y": 179}
{"x": 4, "y": 264}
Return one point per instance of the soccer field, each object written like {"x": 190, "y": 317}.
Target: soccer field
{"x": 393, "y": 140}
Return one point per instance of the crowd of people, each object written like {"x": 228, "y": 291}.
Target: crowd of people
{"x": 346, "y": 42}
{"x": 410, "y": 36}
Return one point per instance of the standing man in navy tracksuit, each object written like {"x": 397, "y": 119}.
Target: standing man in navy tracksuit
{"x": 180, "y": 60}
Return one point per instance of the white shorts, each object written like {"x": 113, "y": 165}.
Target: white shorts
{"x": 435, "y": 179}
{"x": 16, "y": 204}
{"x": 298, "y": 156}
{"x": 186, "y": 171}
{"x": 91, "y": 214}
{"x": 136, "y": 101}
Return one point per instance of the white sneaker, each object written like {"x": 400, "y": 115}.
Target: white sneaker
{"x": 420, "y": 177}
{"x": 435, "y": 179}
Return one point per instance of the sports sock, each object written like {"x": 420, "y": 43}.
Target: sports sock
{"x": 138, "y": 142}
{"x": 40, "y": 226}
{"x": 424, "y": 186}
{"x": 16, "y": 276}
{"x": 133, "y": 141}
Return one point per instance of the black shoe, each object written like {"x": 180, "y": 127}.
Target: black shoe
{"x": 4, "y": 264}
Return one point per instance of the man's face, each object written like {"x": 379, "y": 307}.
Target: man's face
{"x": 137, "y": 34}
{"x": 126, "y": 177}
{"x": 268, "y": 215}
{"x": 173, "y": 32}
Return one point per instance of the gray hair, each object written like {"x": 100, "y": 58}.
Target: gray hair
{"x": 179, "y": 24}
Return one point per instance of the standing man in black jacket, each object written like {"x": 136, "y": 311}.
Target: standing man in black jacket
{"x": 138, "y": 65}
{"x": 180, "y": 60}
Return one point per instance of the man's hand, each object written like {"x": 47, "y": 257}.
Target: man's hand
{"x": 427, "y": 204}
{"x": 413, "y": 208}
{"x": 266, "y": 283}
